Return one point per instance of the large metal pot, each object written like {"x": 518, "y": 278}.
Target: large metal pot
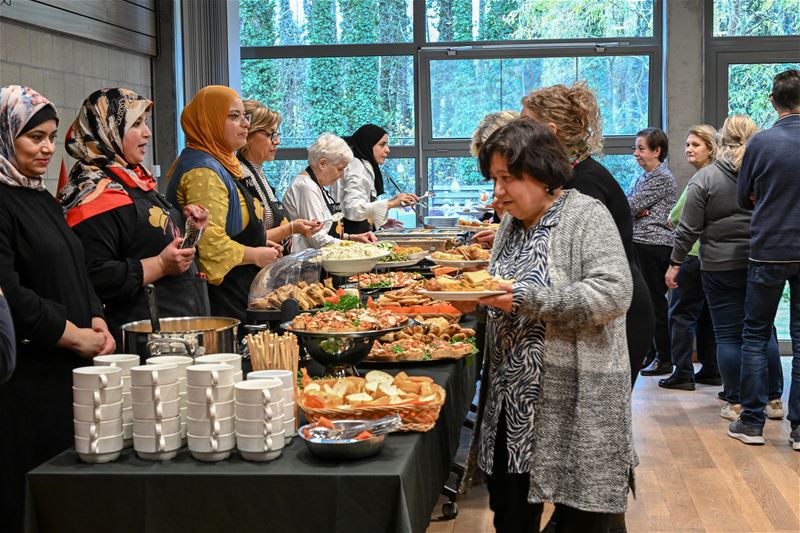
{"x": 190, "y": 336}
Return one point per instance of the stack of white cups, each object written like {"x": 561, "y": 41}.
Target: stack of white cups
{"x": 260, "y": 433}
{"x": 125, "y": 361}
{"x": 209, "y": 406}
{"x": 233, "y": 359}
{"x": 156, "y": 410}
{"x": 97, "y": 408}
{"x": 287, "y": 380}
{"x": 183, "y": 362}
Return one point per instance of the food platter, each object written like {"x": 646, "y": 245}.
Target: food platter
{"x": 384, "y": 280}
{"x": 478, "y": 227}
{"x": 460, "y": 296}
{"x": 347, "y": 267}
{"x": 465, "y": 263}
{"x": 399, "y": 264}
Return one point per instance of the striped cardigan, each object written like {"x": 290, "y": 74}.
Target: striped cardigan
{"x": 583, "y": 455}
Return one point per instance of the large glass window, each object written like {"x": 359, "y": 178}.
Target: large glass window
{"x": 748, "y": 18}
{"x": 458, "y": 185}
{"x": 336, "y": 94}
{"x": 464, "y": 91}
{"x": 497, "y": 20}
{"x": 749, "y": 85}
{"x": 298, "y": 22}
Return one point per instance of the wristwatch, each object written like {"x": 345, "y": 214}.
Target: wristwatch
{"x": 675, "y": 264}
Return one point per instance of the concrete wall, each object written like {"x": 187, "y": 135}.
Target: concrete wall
{"x": 684, "y": 80}
{"x": 66, "y": 70}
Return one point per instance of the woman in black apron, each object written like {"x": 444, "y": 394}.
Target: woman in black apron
{"x": 132, "y": 235}
{"x": 233, "y": 247}
{"x": 362, "y": 186}
{"x": 308, "y": 197}
{"x": 263, "y": 139}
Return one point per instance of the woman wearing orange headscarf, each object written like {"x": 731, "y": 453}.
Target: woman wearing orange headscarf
{"x": 234, "y": 247}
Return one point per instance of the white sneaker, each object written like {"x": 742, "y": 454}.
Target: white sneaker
{"x": 774, "y": 409}
{"x": 731, "y": 411}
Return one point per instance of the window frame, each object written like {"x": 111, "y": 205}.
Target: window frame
{"x": 721, "y": 52}
{"x": 423, "y": 52}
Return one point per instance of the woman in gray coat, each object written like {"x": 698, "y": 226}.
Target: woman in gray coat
{"x": 554, "y": 420}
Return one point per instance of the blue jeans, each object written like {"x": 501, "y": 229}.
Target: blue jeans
{"x": 765, "y": 282}
{"x": 688, "y": 320}
{"x": 725, "y": 292}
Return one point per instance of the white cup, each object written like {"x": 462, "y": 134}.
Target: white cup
{"x": 182, "y": 361}
{"x": 156, "y": 411}
{"x": 199, "y": 411}
{"x": 127, "y": 399}
{"x": 103, "y": 445}
{"x": 98, "y": 413}
{"x": 94, "y": 430}
{"x": 262, "y": 411}
{"x": 289, "y": 426}
{"x": 153, "y": 375}
{"x": 127, "y": 415}
{"x": 125, "y": 361}
{"x": 260, "y": 443}
{"x": 285, "y": 376}
{"x": 160, "y": 393}
{"x": 223, "y": 393}
{"x": 238, "y": 377}
{"x": 258, "y": 391}
{"x": 233, "y": 359}
{"x": 209, "y": 375}
{"x": 96, "y": 377}
{"x": 97, "y": 396}
{"x": 288, "y": 410}
{"x": 205, "y": 427}
{"x": 219, "y": 443}
{"x": 157, "y": 428}
{"x": 256, "y": 428}
{"x": 157, "y": 444}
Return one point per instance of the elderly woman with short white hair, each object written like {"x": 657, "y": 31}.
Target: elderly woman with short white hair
{"x": 308, "y": 196}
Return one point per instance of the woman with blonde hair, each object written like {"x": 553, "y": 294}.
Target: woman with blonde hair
{"x": 573, "y": 115}
{"x": 712, "y": 214}
{"x": 263, "y": 139}
{"x": 689, "y": 317}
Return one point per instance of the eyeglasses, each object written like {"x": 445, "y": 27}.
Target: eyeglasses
{"x": 273, "y": 135}
{"x": 241, "y": 118}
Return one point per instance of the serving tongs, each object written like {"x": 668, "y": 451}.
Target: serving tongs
{"x": 377, "y": 427}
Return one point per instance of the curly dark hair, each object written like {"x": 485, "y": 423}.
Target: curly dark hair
{"x": 786, "y": 89}
{"x": 530, "y": 148}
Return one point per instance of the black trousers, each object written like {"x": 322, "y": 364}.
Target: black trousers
{"x": 689, "y": 318}
{"x": 640, "y": 323}
{"x": 508, "y": 498}
{"x": 654, "y": 262}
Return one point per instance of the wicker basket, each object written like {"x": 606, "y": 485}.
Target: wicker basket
{"x": 415, "y": 417}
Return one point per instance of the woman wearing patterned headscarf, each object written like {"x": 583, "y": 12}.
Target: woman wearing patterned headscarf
{"x": 358, "y": 192}
{"x": 131, "y": 233}
{"x": 234, "y": 246}
{"x": 58, "y": 318}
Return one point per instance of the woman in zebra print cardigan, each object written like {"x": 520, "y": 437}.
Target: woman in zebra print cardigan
{"x": 554, "y": 421}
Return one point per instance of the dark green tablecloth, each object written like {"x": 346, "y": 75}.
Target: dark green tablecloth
{"x": 394, "y": 491}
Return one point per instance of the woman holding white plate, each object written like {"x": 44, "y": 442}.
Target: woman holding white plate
{"x": 554, "y": 422}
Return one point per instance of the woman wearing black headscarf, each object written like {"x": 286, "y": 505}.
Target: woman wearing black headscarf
{"x": 362, "y": 184}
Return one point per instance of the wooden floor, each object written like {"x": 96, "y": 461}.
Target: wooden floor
{"x": 691, "y": 476}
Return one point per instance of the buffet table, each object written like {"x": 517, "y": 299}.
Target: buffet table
{"x": 394, "y": 491}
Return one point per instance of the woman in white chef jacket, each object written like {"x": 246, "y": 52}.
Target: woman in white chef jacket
{"x": 358, "y": 192}
{"x": 307, "y": 196}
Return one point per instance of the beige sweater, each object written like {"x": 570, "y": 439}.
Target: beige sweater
{"x": 583, "y": 455}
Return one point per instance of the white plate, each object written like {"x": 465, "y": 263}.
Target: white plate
{"x": 483, "y": 209}
{"x": 348, "y": 267}
{"x": 476, "y": 263}
{"x": 459, "y": 296}
{"x": 398, "y": 264}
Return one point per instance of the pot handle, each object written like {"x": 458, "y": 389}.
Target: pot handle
{"x": 154, "y": 346}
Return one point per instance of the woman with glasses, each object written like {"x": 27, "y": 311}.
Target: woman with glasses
{"x": 308, "y": 194}
{"x": 234, "y": 245}
{"x": 263, "y": 139}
